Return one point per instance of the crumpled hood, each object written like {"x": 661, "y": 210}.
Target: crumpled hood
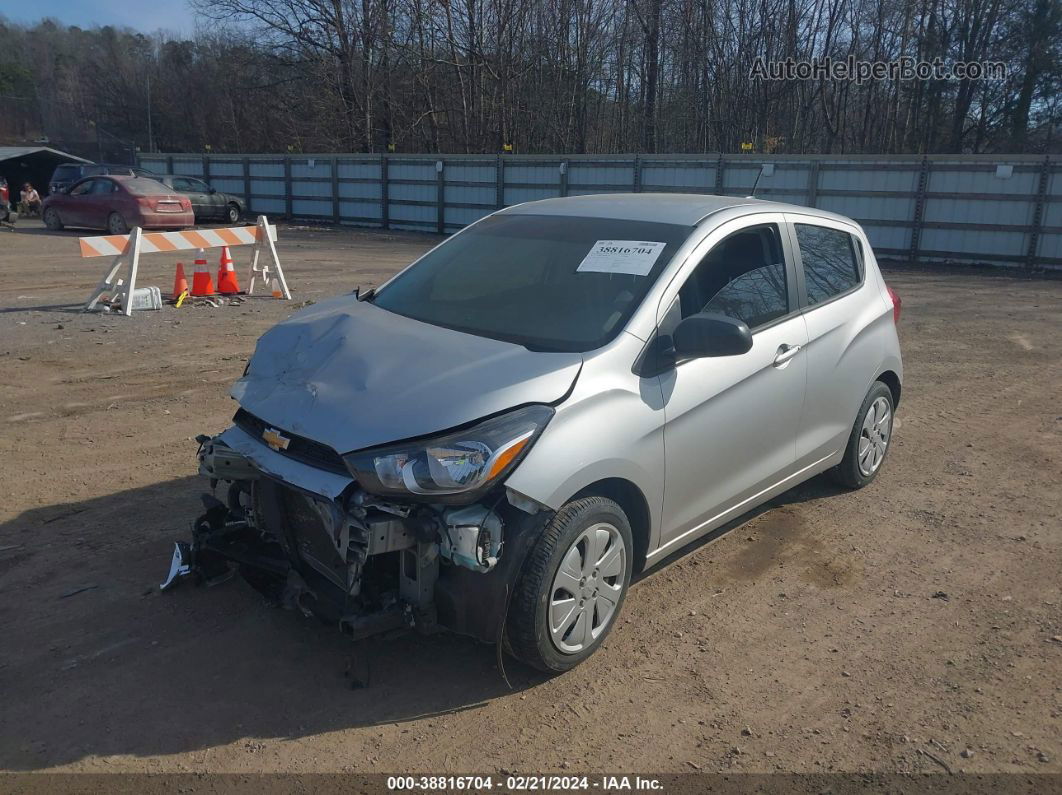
{"x": 351, "y": 375}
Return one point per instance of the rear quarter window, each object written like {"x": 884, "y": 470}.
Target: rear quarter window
{"x": 830, "y": 261}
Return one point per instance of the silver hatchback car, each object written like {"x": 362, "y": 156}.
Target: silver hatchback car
{"x": 558, "y": 396}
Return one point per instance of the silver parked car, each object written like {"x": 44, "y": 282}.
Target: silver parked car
{"x": 556, "y": 397}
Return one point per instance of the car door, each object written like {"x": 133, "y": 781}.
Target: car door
{"x": 74, "y": 205}
{"x": 99, "y": 203}
{"x": 840, "y": 310}
{"x": 731, "y": 422}
{"x": 196, "y": 191}
{"x": 215, "y": 201}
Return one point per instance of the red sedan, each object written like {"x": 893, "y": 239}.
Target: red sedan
{"x": 117, "y": 204}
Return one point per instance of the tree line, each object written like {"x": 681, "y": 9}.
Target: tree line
{"x": 541, "y": 76}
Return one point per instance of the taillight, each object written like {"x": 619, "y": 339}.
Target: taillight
{"x": 896, "y": 305}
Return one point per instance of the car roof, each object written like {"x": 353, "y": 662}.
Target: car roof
{"x": 687, "y": 209}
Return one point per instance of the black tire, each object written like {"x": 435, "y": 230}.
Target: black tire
{"x": 527, "y": 624}
{"x": 116, "y": 224}
{"x": 52, "y": 219}
{"x": 232, "y": 213}
{"x": 849, "y": 473}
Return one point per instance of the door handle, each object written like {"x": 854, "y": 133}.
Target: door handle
{"x": 785, "y": 353}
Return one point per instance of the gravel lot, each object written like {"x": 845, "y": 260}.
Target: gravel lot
{"x": 913, "y": 626}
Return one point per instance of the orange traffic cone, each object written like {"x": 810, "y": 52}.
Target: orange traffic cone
{"x": 227, "y": 283}
{"x": 202, "y": 284}
{"x": 180, "y": 283}
{"x": 277, "y": 293}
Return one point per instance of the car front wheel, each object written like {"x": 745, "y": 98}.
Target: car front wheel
{"x": 116, "y": 225}
{"x": 869, "y": 440}
{"x": 52, "y": 219}
{"x": 572, "y": 586}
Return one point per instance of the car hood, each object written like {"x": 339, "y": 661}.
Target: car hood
{"x": 351, "y": 375}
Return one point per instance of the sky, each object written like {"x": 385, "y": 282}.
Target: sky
{"x": 170, "y": 15}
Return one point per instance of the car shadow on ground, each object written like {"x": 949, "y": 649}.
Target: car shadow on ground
{"x": 97, "y": 662}
{"x": 70, "y": 309}
{"x": 34, "y": 226}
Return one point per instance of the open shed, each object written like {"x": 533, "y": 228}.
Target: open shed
{"x": 32, "y": 164}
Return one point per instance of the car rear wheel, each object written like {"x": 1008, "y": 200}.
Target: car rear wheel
{"x": 116, "y": 225}
{"x": 52, "y": 219}
{"x": 572, "y": 586}
{"x": 233, "y": 214}
{"x": 869, "y": 440}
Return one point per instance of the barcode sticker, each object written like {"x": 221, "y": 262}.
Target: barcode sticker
{"x": 632, "y": 257}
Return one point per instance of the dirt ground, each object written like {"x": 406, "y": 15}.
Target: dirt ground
{"x": 912, "y": 626}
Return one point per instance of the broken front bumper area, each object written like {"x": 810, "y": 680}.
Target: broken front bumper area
{"x": 348, "y": 558}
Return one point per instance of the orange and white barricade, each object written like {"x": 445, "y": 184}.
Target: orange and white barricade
{"x": 126, "y": 250}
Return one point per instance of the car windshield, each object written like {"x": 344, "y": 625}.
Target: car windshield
{"x": 142, "y": 186}
{"x": 65, "y": 172}
{"x": 547, "y": 282}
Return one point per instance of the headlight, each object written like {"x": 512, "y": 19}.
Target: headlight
{"x": 456, "y": 467}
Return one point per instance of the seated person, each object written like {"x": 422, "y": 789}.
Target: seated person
{"x": 31, "y": 200}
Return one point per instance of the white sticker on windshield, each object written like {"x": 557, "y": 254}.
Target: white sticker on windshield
{"x": 633, "y": 257}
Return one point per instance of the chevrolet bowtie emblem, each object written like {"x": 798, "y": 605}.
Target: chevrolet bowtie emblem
{"x": 275, "y": 439}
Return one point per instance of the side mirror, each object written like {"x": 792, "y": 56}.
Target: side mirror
{"x": 711, "y": 334}
{"x": 212, "y": 190}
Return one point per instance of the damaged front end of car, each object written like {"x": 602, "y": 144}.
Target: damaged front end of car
{"x": 419, "y": 535}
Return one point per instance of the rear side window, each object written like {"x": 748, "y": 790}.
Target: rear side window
{"x": 142, "y": 186}
{"x": 831, "y": 265}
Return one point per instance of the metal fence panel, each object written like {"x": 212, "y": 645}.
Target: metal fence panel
{"x": 699, "y": 178}
{"x": 970, "y": 243}
{"x": 360, "y": 190}
{"x": 226, "y": 185}
{"x": 225, "y": 168}
{"x": 545, "y": 174}
{"x": 188, "y": 167}
{"x": 969, "y": 208}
